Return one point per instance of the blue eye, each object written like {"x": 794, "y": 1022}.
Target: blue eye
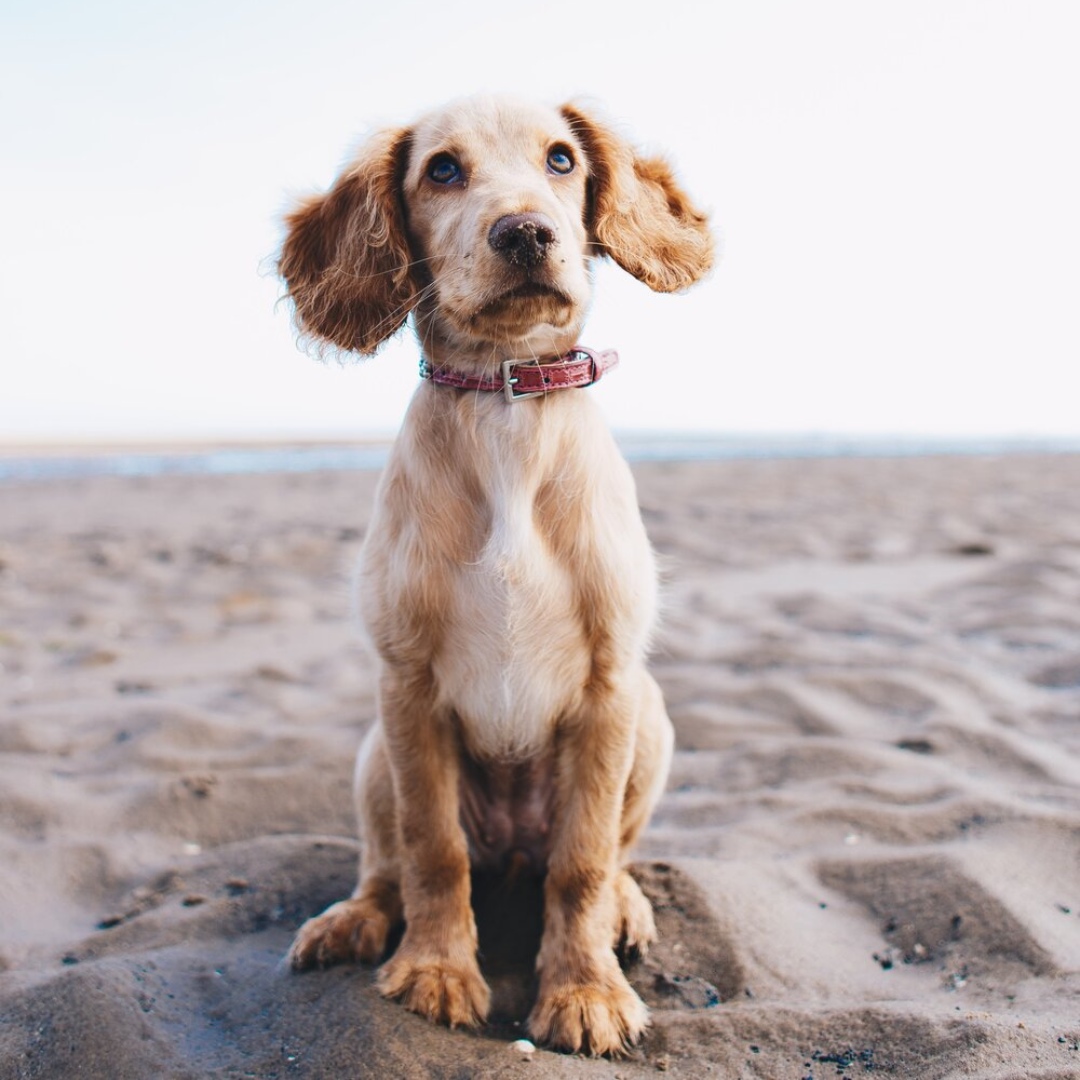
{"x": 560, "y": 160}
{"x": 443, "y": 169}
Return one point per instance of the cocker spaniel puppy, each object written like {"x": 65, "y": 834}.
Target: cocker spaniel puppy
{"x": 506, "y": 583}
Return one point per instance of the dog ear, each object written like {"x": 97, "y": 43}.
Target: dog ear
{"x": 345, "y": 259}
{"x": 637, "y": 212}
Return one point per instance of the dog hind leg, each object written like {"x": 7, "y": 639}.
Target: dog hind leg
{"x": 358, "y": 928}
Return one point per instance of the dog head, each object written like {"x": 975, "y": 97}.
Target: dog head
{"x": 482, "y": 219}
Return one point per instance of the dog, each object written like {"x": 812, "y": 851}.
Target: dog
{"x": 506, "y": 581}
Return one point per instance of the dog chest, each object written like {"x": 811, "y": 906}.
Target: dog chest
{"x": 514, "y": 657}
{"x": 495, "y": 562}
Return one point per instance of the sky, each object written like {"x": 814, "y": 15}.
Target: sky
{"x": 894, "y": 185}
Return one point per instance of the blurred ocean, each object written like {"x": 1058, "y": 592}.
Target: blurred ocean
{"x": 60, "y": 463}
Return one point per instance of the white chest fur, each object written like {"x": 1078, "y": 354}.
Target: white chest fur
{"x": 514, "y": 657}
{"x": 553, "y": 509}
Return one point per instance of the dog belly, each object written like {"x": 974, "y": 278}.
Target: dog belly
{"x": 507, "y": 811}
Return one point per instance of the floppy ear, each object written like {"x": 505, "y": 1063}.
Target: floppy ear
{"x": 345, "y": 259}
{"x": 638, "y": 214}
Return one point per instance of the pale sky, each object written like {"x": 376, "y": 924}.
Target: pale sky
{"x": 895, "y": 185}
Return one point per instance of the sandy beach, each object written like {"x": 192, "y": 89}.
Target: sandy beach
{"x": 867, "y": 861}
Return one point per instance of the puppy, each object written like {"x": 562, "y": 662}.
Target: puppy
{"x": 506, "y": 581}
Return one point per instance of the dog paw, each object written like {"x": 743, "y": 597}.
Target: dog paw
{"x": 349, "y": 930}
{"x": 600, "y": 1018}
{"x": 447, "y": 992}
{"x": 635, "y": 927}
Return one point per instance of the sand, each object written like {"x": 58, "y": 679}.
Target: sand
{"x": 867, "y": 861}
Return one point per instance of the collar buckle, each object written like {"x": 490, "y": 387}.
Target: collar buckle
{"x": 510, "y": 381}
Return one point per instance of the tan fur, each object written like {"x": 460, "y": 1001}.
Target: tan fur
{"x": 507, "y": 582}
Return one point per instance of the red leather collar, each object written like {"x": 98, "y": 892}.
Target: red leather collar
{"x": 520, "y": 379}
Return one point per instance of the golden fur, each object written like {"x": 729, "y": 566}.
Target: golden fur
{"x": 506, "y": 582}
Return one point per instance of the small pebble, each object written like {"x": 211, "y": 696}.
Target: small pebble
{"x": 523, "y": 1046}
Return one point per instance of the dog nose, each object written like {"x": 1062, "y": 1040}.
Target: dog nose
{"x": 523, "y": 239}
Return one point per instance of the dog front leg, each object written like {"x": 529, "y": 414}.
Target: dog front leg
{"x": 434, "y": 970}
{"x": 585, "y": 1002}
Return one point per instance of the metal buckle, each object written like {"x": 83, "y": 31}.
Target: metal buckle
{"x": 508, "y": 381}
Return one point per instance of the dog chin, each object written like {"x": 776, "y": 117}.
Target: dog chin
{"x": 520, "y": 310}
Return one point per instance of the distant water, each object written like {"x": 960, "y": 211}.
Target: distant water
{"x": 637, "y": 448}
{"x": 193, "y": 462}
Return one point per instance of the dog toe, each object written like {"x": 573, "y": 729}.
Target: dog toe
{"x": 605, "y": 1019}
{"x": 348, "y": 931}
{"x": 635, "y": 927}
{"x": 446, "y": 992}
